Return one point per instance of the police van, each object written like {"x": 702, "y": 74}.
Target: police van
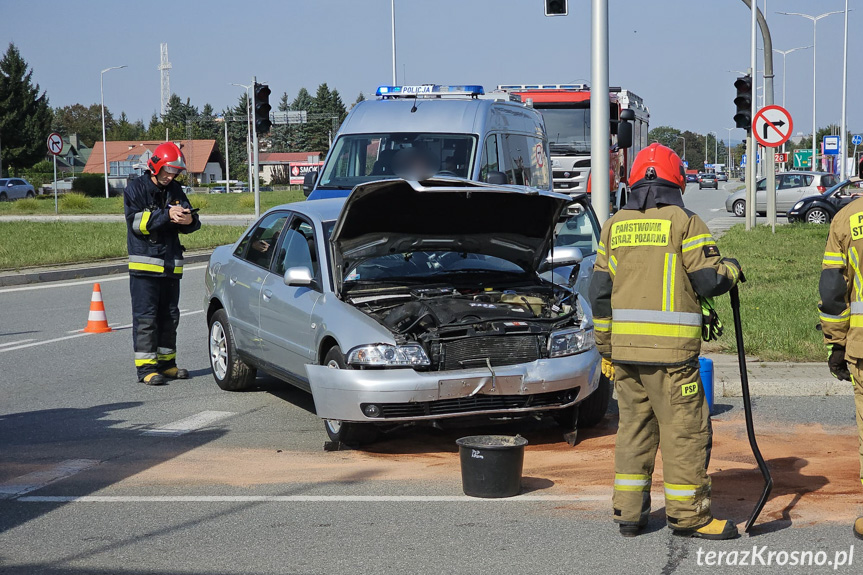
{"x": 435, "y": 130}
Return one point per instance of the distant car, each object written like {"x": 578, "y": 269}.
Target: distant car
{"x": 15, "y": 189}
{"x": 708, "y": 181}
{"x": 722, "y": 176}
{"x": 821, "y": 208}
{"x": 218, "y": 190}
{"x": 791, "y": 187}
{"x": 691, "y": 178}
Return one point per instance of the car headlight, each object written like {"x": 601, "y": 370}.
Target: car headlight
{"x": 570, "y": 341}
{"x": 797, "y": 206}
{"x": 385, "y": 355}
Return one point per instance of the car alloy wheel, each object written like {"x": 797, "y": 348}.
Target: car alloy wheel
{"x": 218, "y": 350}
{"x": 229, "y": 370}
{"x": 739, "y": 208}
{"x": 817, "y": 216}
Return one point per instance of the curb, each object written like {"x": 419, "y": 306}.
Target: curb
{"x": 79, "y": 271}
{"x": 776, "y": 378}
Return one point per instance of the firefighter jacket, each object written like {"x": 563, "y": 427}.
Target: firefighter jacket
{"x": 652, "y": 265}
{"x": 152, "y": 239}
{"x": 841, "y": 283}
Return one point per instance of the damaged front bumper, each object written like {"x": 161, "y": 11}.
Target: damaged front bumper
{"x": 398, "y": 395}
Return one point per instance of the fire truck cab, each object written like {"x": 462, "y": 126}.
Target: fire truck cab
{"x": 566, "y": 111}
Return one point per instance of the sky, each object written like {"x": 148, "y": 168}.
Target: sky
{"x": 678, "y": 55}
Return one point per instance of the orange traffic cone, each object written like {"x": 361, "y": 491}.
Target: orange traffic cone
{"x": 97, "y": 321}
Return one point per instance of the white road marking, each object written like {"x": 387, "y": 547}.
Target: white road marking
{"x": 306, "y": 499}
{"x": 26, "y": 345}
{"x": 101, "y": 279}
{"x": 38, "y": 479}
{"x": 16, "y": 342}
{"x": 189, "y": 424}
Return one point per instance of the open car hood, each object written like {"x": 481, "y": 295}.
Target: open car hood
{"x": 444, "y": 214}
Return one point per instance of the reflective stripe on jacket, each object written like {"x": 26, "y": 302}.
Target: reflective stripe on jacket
{"x": 152, "y": 240}
{"x": 841, "y": 283}
{"x": 651, "y": 267}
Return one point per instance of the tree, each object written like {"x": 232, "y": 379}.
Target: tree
{"x": 125, "y": 131}
{"x": 280, "y": 136}
{"x": 86, "y": 121}
{"x": 301, "y": 133}
{"x": 25, "y": 116}
{"x": 329, "y": 105}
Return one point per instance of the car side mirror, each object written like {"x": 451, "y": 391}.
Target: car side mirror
{"x": 309, "y": 182}
{"x": 299, "y": 277}
{"x": 563, "y": 256}
{"x": 496, "y": 178}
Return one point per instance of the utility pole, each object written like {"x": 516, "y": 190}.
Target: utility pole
{"x": 600, "y": 112}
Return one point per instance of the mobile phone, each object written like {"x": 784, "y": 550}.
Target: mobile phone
{"x": 194, "y": 210}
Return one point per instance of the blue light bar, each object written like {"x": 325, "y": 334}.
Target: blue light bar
{"x": 428, "y": 89}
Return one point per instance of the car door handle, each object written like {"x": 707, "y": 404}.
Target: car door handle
{"x": 232, "y": 281}
{"x": 267, "y": 295}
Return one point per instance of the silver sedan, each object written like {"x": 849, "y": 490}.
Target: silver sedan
{"x": 409, "y": 302}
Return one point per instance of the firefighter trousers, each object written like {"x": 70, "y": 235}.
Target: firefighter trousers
{"x": 155, "y": 316}
{"x": 856, "y": 369}
{"x": 662, "y": 407}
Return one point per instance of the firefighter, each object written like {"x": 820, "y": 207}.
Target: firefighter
{"x": 157, "y": 211}
{"x": 655, "y": 260}
{"x": 841, "y": 309}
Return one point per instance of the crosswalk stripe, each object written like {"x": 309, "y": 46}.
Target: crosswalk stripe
{"x": 189, "y": 424}
{"x": 38, "y": 479}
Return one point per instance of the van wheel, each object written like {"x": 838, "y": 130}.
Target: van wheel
{"x": 348, "y": 432}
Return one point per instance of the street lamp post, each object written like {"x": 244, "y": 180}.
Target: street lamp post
{"x": 815, "y": 20}
{"x": 248, "y": 132}
{"x": 684, "y": 146}
{"x": 104, "y": 144}
{"x": 728, "y": 158}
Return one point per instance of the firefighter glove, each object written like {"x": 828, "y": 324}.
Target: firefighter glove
{"x": 836, "y": 363}
{"x": 711, "y": 325}
{"x": 607, "y": 369}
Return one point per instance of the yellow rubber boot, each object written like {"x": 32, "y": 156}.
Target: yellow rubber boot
{"x": 858, "y": 528}
{"x": 154, "y": 379}
{"x": 716, "y": 529}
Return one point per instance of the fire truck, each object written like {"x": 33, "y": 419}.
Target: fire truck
{"x": 566, "y": 112}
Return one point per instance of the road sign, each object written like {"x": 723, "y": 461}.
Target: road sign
{"x": 685, "y": 164}
{"x": 857, "y": 140}
{"x": 742, "y": 160}
{"x": 802, "y": 158}
{"x": 780, "y": 158}
{"x": 831, "y": 145}
{"x": 55, "y": 143}
{"x": 772, "y": 126}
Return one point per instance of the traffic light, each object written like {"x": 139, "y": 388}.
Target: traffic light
{"x": 556, "y": 8}
{"x": 262, "y": 108}
{"x": 743, "y": 101}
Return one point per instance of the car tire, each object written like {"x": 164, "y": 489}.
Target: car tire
{"x": 348, "y": 432}
{"x": 4, "y": 197}
{"x": 30, "y": 195}
{"x": 817, "y": 216}
{"x": 739, "y": 208}
{"x": 592, "y": 410}
{"x": 230, "y": 372}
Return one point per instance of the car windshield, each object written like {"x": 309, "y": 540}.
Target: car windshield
{"x": 421, "y": 266}
{"x": 568, "y": 128}
{"x": 358, "y": 158}
{"x": 579, "y": 230}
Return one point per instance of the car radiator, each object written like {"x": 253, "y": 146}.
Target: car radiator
{"x": 472, "y": 352}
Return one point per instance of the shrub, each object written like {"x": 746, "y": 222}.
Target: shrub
{"x": 26, "y": 205}
{"x": 199, "y": 202}
{"x": 91, "y": 185}
{"x": 75, "y": 202}
{"x": 247, "y": 201}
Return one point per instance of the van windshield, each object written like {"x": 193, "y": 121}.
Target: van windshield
{"x": 358, "y": 158}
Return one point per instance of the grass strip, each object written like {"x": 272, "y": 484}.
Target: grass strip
{"x": 78, "y": 204}
{"x": 779, "y": 301}
{"x": 26, "y": 244}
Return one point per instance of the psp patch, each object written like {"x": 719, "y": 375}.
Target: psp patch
{"x": 711, "y": 251}
{"x": 688, "y": 389}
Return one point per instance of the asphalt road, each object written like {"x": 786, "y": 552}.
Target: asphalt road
{"x": 101, "y": 474}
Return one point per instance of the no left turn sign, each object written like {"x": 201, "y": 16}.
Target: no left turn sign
{"x": 772, "y": 126}
{"x": 55, "y": 143}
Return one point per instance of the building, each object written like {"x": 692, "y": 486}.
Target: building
{"x": 203, "y": 160}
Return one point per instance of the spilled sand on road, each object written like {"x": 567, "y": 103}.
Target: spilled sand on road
{"x": 815, "y": 468}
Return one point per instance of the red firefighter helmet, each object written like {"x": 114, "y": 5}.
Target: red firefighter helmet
{"x": 658, "y": 162}
{"x": 167, "y": 156}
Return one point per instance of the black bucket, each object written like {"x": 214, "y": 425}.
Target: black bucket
{"x": 491, "y": 464}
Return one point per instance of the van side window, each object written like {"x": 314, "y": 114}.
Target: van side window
{"x": 489, "y": 158}
{"x": 525, "y": 162}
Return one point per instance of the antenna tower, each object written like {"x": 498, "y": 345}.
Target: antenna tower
{"x": 164, "y": 68}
